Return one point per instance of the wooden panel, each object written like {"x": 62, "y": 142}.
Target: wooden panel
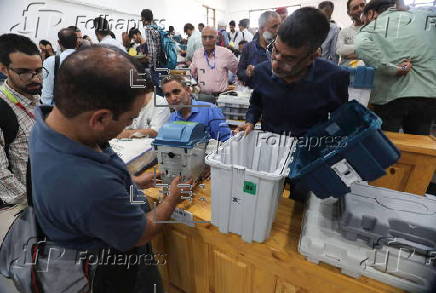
{"x": 396, "y": 177}
{"x": 201, "y": 264}
{"x": 264, "y": 281}
{"x": 179, "y": 260}
{"x": 231, "y": 275}
{"x": 158, "y": 245}
{"x": 285, "y": 287}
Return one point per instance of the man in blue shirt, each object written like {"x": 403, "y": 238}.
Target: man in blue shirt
{"x": 179, "y": 97}
{"x": 296, "y": 90}
{"x": 68, "y": 43}
{"x": 82, "y": 191}
{"x": 255, "y": 51}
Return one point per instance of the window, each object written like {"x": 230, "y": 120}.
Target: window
{"x": 255, "y": 14}
{"x": 210, "y": 16}
{"x": 417, "y": 3}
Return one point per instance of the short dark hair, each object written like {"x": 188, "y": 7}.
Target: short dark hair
{"x": 244, "y": 22}
{"x": 101, "y": 26}
{"x": 147, "y": 15}
{"x": 171, "y": 28}
{"x": 325, "y": 4}
{"x": 88, "y": 82}
{"x": 201, "y": 24}
{"x": 378, "y": 6}
{"x": 74, "y": 28}
{"x": 177, "y": 78}
{"x": 67, "y": 38}
{"x": 232, "y": 23}
{"x": 45, "y": 43}
{"x": 133, "y": 31}
{"x": 187, "y": 27}
{"x": 307, "y": 26}
{"x": 11, "y": 43}
{"x": 348, "y": 4}
{"x": 242, "y": 42}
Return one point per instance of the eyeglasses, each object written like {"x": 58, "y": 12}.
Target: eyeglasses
{"x": 208, "y": 37}
{"x": 286, "y": 59}
{"x": 26, "y": 74}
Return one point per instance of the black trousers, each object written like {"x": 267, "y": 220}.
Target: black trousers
{"x": 136, "y": 277}
{"x": 413, "y": 115}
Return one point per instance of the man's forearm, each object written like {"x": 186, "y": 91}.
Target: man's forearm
{"x": 161, "y": 213}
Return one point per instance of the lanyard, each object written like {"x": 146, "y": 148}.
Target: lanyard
{"x": 207, "y": 59}
{"x": 14, "y": 100}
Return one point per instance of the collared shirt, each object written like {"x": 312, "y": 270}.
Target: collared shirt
{"x": 233, "y": 36}
{"x": 245, "y": 35}
{"x": 153, "y": 115}
{"x": 294, "y": 108}
{"x": 410, "y": 35}
{"x": 252, "y": 54}
{"x": 328, "y": 47}
{"x": 345, "y": 44}
{"x": 152, "y": 38}
{"x": 81, "y": 196}
{"x": 48, "y": 82}
{"x": 108, "y": 40}
{"x": 212, "y": 71}
{"x": 13, "y": 184}
{"x": 209, "y": 115}
{"x": 194, "y": 43}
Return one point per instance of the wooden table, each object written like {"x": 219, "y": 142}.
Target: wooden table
{"x": 417, "y": 164}
{"x": 200, "y": 259}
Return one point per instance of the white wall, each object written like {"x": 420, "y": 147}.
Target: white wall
{"x": 43, "y": 19}
{"x": 240, "y": 9}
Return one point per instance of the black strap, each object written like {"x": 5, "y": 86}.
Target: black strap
{"x": 234, "y": 38}
{"x": 9, "y": 126}
{"x": 56, "y": 69}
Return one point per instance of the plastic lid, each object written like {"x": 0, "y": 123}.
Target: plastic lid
{"x": 181, "y": 134}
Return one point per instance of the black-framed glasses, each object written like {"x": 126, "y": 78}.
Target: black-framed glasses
{"x": 287, "y": 59}
{"x": 26, "y": 74}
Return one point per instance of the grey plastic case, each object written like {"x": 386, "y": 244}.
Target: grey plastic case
{"x": 321, "y": 241}
{"x": 384, "y": 216}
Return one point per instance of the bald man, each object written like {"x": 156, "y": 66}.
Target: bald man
{"x": 211, "y": 65}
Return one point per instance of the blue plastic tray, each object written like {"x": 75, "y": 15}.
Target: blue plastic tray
{"x": 361, "y": 77}
{"x": 352, "y": 133}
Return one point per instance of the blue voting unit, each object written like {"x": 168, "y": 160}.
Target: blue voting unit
{"x": 349, "y": 147}
{"x": 181, "y": 148}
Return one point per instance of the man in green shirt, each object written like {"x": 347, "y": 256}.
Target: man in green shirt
{"x": 401, "y": 46}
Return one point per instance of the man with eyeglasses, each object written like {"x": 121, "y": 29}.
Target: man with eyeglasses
{"x": 21, "y": 62}
{"x": 255, "y": 51}
{"x": 296, "y": 89}
{"x": 211, "y": 65}
{"x": 68, "y": 42}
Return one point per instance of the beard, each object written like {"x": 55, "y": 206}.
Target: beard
{"x": 33, "y": 89}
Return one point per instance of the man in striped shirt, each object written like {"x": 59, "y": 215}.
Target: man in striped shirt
{"x": 153, "y": 41}
{"x": 21, "y": 63}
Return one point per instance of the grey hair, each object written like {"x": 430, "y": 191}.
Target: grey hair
{"x": 264, "y": 17}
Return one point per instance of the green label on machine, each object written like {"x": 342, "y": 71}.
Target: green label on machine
{"x": 250, "y": 187}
